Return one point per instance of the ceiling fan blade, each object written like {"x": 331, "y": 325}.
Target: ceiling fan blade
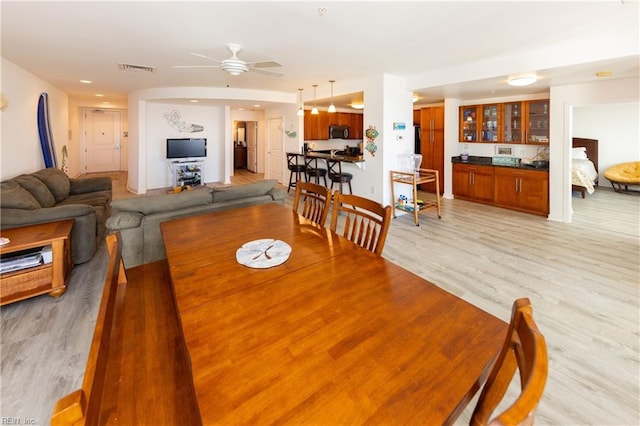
{"x": 265, "y": 64}
{"x": 195, "y": 66}
{"x": 205, "y": 57}
{"x": 266, "y": 72}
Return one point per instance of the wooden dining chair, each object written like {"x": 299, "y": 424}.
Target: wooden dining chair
{"x": 83, "y": 405}
{"x": 312, "y": 201}
{"x": 366, "y": 221}
{"x": 524, "y": 350}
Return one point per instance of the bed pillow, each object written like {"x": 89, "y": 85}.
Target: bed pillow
{"x": 579, "y": 153}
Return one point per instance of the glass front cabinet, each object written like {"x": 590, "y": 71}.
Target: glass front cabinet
{"x": 469, "y": 123}
{"x": 509, "y": 122}
{"x": 512, "y": 123}
{"x": 538, "y": 122}
{"x": 490, "y": 119}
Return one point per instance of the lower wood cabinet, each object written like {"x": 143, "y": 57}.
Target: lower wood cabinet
{"x": 473, "y": 183}
{"x": 512, "y": 188}
{"x": 523, "y": 190}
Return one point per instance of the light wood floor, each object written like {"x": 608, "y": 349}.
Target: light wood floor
{"x": 583, "y": 279}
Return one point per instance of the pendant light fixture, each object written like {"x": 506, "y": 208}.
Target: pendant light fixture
{"x": 314, "y": 110}
{"x": 300, "y": 110}
{"x": 332, "y": 107}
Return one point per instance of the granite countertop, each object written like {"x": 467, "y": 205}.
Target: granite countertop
{"x": 339, "y": 155}
{"x": 488, "y": 161}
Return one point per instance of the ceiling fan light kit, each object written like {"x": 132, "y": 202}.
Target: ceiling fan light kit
{"x": 236, "y": 66}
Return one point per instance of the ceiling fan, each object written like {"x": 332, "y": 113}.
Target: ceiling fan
{"x": 235, "y": 65}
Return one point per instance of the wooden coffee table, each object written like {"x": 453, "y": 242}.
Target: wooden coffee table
{"x": 46, "y": 278}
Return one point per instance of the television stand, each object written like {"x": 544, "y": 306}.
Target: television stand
{"x": 187, "y": 172}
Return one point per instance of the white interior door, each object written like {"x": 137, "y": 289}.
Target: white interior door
{"x": 102, "y": 140}
{"x": 275, "y": 145}
{"x": 252, "y": 146}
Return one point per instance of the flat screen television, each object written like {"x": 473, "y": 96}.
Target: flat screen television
{"x": 186, "y": 148}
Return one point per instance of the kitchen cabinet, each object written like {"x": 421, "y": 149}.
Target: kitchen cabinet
{"x": 432, "y": 144}
{"x": 469, "y": 123}
{"x": 512, "y": 123}
{"x": 343, "y": 118}
{"x": 416, "y": 117}
{"x": 537, "y": 115}
{"x": 491, "y": 117}
{"x": 316, "y": 126}
{"x": 523, "y": 190}
{"x": 508, "y": 122}
{"x": 356, "y": 126}
{"x": 473, "y": 183}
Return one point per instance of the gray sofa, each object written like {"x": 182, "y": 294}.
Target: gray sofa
{"x": 49, "y": 195}
{"x": 138, "y": 219}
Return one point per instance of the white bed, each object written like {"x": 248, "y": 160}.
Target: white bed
{"x": 584, "y": 165}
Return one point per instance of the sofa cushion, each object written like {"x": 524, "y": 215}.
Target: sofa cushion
{"x": 124, "y": 220}
{"x": 162, "y": 203}
{"x": 14, "y": 196}
{"x": 36, "y": 188}
{"x": 243, "y": 191}
{"x": 57, "y": 182}
{"x": 99, "y": 198}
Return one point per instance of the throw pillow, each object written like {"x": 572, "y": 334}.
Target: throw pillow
{"x": 164, "y": 203}
{"x": 57, "y": 182}
{"x": 255, "y": 189}
{"x": 13, "y": 196}
{"x": 36, "y": 188}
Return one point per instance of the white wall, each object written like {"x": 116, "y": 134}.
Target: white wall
{"x": 617, "y": 143}
{"x": 218, "y": 169}
{"x": 158, "y": 173}
{"x": 20, "y": 144}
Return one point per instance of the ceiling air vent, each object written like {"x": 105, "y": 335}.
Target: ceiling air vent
{"x": 130, "y": 67}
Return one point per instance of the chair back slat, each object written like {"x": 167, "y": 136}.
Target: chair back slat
{"x": 366, "y": 222}
{"x": 524, "y": 351}
{"x": 83, "y": 406}
{"x": 312, "y": 201}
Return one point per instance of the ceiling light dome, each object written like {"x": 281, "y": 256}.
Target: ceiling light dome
{"x": 522, "y": 80}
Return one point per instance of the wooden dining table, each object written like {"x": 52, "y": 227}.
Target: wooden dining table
{"x": 334, "y": 335}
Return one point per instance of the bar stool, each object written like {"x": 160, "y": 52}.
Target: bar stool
{"x": 295, "y": 168}
{"x": 336, "y": 175}
{"x": 312, "y": 170}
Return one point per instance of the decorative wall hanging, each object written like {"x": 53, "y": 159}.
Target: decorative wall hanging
{"x": 173, "y": 118}
{"x": 291, "y": 132}
{"x": 371, "y": 133}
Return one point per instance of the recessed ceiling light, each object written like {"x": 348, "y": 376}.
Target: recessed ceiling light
{"x": 106, "y": 103}
{"x": 357, "y": 105}
{"x": 522, "y": 80}
{"x": 604, "y": 74}
{"x": 194, "y": 101}
{"x": 86, "y": 81}
{"x": 256, "y": 106}
{"x": 99, "y": 95}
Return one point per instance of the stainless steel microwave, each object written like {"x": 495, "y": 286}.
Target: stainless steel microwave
{"x": 338, "y": 132}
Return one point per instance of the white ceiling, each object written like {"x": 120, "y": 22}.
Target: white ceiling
{"x": 455, "y": 49}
